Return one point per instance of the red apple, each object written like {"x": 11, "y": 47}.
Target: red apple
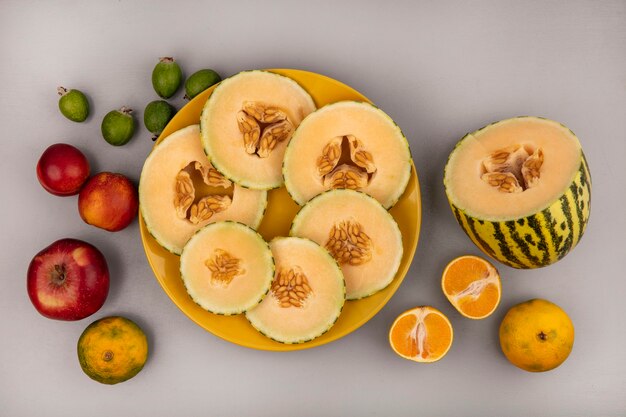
{"x": 108, "y": 201}
{"x": 62, "y": 169}
{"x": 68, "y": 280}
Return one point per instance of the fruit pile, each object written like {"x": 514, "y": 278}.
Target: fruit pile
{"x": 204, "y": 190}
{"x": 167, "y": 77}
{"x": 519, "y": 188}
{"x": 69, "y": 279}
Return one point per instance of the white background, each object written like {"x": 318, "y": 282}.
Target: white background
{"x": 439, "y": 69}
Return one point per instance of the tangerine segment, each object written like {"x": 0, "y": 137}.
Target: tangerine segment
{"x": 422, "y": 334}
{"x": 472, "y": 285}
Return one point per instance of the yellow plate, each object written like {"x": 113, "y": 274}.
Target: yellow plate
{"x": 280, "y": 211}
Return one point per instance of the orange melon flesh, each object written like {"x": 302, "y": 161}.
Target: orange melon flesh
{"x": 321, "y": 307}
{"x": 157, "y": 192}
{"x": 223, "y": 141}
{"x": 317, "y": 218}
{"x": 467, "y": 191}
{"x": 379, "y": 135}
{"x": 256, "y": 267}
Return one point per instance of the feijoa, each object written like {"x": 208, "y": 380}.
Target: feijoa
{"x": 118, "y": 126}
{"x": 73, "y": 104}
{"x": 166, "y": 77}
{"x": 156, "y": 116}
{"x": 200, "y": 81}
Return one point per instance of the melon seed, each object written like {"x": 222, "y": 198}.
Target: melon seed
{"x": 348, "y": 243}
{"x": 355, "y": 173}
{"x": 166, "y": 77}
{"x": 224, "y": 267}
{"x": 262, "y": 140}
{"x": 200, "y": 81}
{"x": 286, "y": 289}
{"x": 157, "y": 115}
{"x": 513, "y": 169}
{"x": 73, "y": 104}
{"x": 118, "y": 126}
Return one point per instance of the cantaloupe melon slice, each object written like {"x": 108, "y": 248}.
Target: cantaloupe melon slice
{"x": 306, "y": 296}
{"x": 351, "y": 145}
{"x": 180, "y": 192}
{"x": 520, "y": 188}
{"x": 247, "y": 122}
{"x": 227, "y": 268}
{"x": 360, "y": 234}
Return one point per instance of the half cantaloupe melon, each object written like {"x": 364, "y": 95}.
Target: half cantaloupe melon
{"x": 247, "y": 122}
{"x": 306, "y": 296}
{"x": 520, "y": 189}
{"x": 351, "y": 145}
{"x": 359, "y": 233}
{"x": 227, "y": 268}
{"x": 180, "y": 192}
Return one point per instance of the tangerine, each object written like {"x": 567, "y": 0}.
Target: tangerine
{"x": 472, "y": 285}
{"x": 421, "y": 334}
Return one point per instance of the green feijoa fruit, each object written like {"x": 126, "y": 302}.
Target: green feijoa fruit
{"x": 200, "y": 81}
{"x": 157, "y": 115}
{"x": 73, "y": 104}
{"x": 118, "y": 126}
{"x": 166, "y": 77}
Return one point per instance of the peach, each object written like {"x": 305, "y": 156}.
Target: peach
{"x": 108, "y": 201}
{"x": 62, "y": 169}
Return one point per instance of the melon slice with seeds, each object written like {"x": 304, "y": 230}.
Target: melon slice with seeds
{"x": 351, "y": 145}
{"x": 227, "y": 268}
{"x": 247, "y": 123}
{"x": 359, "y": 233}
{"x": 306, "y": 296}
{"x": 180, "y": 192}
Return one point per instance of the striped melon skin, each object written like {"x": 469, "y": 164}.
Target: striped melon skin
{"x": 538, "y": 239}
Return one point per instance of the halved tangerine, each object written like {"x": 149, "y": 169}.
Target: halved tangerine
{"x": 422, "y": 334}
{"x": 472, "y": 285}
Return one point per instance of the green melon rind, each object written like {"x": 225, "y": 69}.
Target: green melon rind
{"x": 173, "y": 251}
{"x": 288, "y": 151}
{"x": 165, "y": 245}
{"x": 538, "y": 239}
{"x": 393, "y": 224}
{"x": 244, "y": 308}
{"x": 205, "y": 143}
{"x": 307, "y": 338}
